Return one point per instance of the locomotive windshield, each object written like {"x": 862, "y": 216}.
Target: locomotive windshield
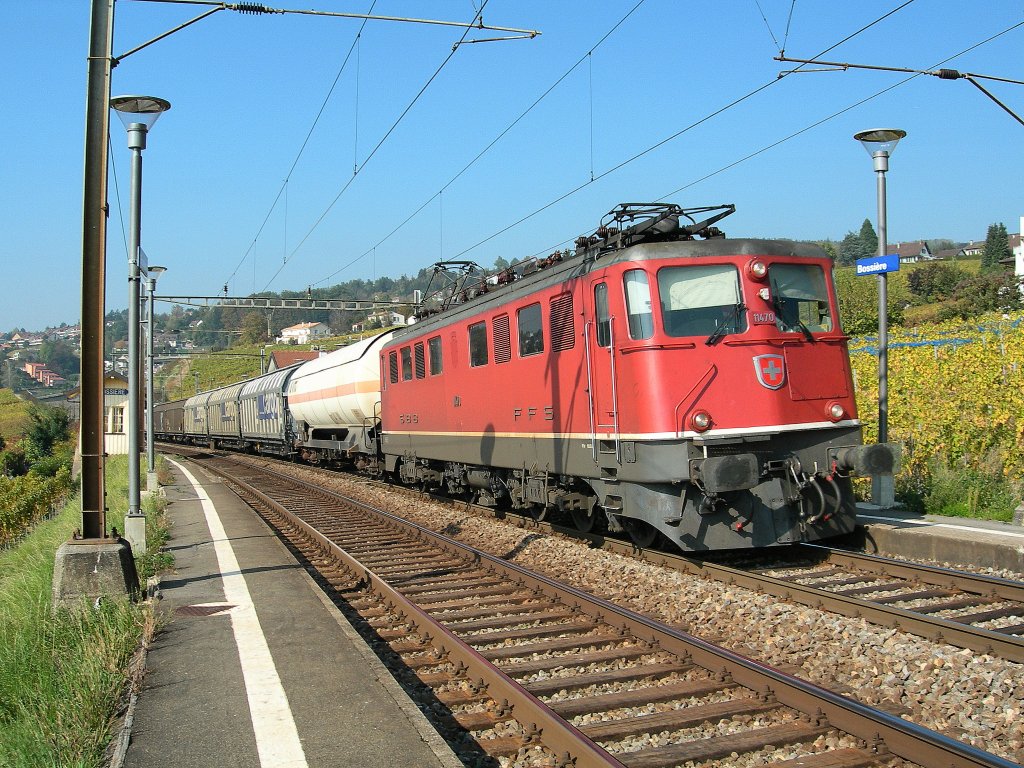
{"x": 800, "y": 295}
{"x": 701, "y": 300}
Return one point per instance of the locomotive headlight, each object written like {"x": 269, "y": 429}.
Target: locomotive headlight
{"x": 757, "y": 269}
{"x": 836, "y": 411}
{"x": 701, "y": 420}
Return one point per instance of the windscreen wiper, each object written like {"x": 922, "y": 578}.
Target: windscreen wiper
{"x": 728, "y": 322}
{"x": 777, "y": 303}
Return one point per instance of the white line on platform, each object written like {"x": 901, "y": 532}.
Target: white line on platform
{"x": 277, "y": 739}
{"x": 1011, "y": 534}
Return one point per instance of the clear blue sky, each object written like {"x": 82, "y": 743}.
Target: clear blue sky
{"x": 245, "y": 91}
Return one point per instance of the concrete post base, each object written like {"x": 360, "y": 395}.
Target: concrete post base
{"x": 883, "y": 491}
{"x": 135, "y": 533}
{"x": 152, "y": 484}
{"x": 92, "y": 569}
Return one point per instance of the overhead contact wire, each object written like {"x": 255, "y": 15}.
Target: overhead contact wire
{"x": 494, "y": 141}
{"x": 673, "y": 137}
{"x": 380, "y": 143}
{"x": 305, "y": 142}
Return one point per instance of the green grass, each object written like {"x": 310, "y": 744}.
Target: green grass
{"x": 63, "y": 676}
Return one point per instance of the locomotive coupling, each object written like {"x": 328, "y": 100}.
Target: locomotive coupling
{"x": 867, "y": 460}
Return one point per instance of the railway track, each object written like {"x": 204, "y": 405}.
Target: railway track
{"x": 981, "y": 613}
{"x": 531, "y": 666}
{"x": 966, "y": 610}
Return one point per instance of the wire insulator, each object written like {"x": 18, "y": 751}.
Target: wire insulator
{"x": 252, "y": 8}
{"x": 949, "y": 74}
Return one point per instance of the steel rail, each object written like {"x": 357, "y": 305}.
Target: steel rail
{"x": 557, "y": 734}
{"x": 880, "y": 730}
{"x": 929, "y": 627}
{"x": 975, "y": 583}
{"x": 932, "y": 628}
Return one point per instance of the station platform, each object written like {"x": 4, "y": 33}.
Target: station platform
{"x": 255, "y": 666}
{"x": 957, "y": 540}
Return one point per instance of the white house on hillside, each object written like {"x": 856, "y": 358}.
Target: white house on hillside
{"x": 1017, "y": 245}
{"x": 303, "y": 333}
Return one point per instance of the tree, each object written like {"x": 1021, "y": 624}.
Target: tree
{"x": 942, "y": 244}
{"x": 60, "y": 357}
{"x": 997, "y": 246}
{"x": 935, "y": 281}
{"x": 868, "y": 239}
{"x": 988, "y": 292}
{"x": 47, "y": 426}
{"x": 830, "y": 248}
{"x": 254, "y": 329}
{"x": 850, "y": 249}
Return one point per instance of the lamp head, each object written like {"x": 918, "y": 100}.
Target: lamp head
{"x": 880, "y": 139}
{"x": 143, "y": 110}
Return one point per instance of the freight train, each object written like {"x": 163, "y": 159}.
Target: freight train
{"x": 660, "y": 380}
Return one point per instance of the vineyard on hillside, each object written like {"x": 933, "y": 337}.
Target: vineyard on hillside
{"x": 26, "y": 500}
{"x": 13, "y": 416}
{"x": 956, "y": 403}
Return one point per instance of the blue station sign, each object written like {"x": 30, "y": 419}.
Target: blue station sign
{"x": 876, "y": 265}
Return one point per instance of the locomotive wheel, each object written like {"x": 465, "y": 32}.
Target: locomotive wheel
{"x": 585, "y": 520}
{"x": 641, "y": 533}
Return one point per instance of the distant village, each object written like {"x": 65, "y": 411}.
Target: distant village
{"x": 20, "y": 350}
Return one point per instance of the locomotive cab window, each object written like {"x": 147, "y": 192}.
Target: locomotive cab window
{"x": 434, "y": 347}
{"x": 800, "y": 298}
{"x": 531, "y": 330}
{"x": 638, "y": 304}
{"x": 478, "y": 344}
{"x": 701, "y": 300}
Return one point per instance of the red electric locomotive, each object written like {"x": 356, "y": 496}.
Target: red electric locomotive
{"x": 662, "y": 380}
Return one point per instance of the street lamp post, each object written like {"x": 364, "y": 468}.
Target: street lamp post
{"x": 153, "y": 273}
{"x": 138, "y": 113}
{"x": 880, "y": 143}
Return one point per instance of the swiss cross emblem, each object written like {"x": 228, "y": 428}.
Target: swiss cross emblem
{"x": 771, "y": 370}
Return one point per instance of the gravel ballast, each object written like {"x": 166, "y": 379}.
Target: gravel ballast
{"x": 972, "y": 697}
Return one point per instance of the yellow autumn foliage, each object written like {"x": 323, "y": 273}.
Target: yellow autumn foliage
{"x": 956, "y": 390}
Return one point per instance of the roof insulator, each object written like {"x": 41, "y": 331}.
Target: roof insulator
{"x": 253, "y": 8}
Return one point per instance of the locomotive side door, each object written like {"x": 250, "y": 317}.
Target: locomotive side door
{"x": 599, "y": 335}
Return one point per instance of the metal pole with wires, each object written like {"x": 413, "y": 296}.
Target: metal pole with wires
{"x": 152, "y": 485}
{"x": 880, "y": 143}
{"x": 138, "y": 113}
